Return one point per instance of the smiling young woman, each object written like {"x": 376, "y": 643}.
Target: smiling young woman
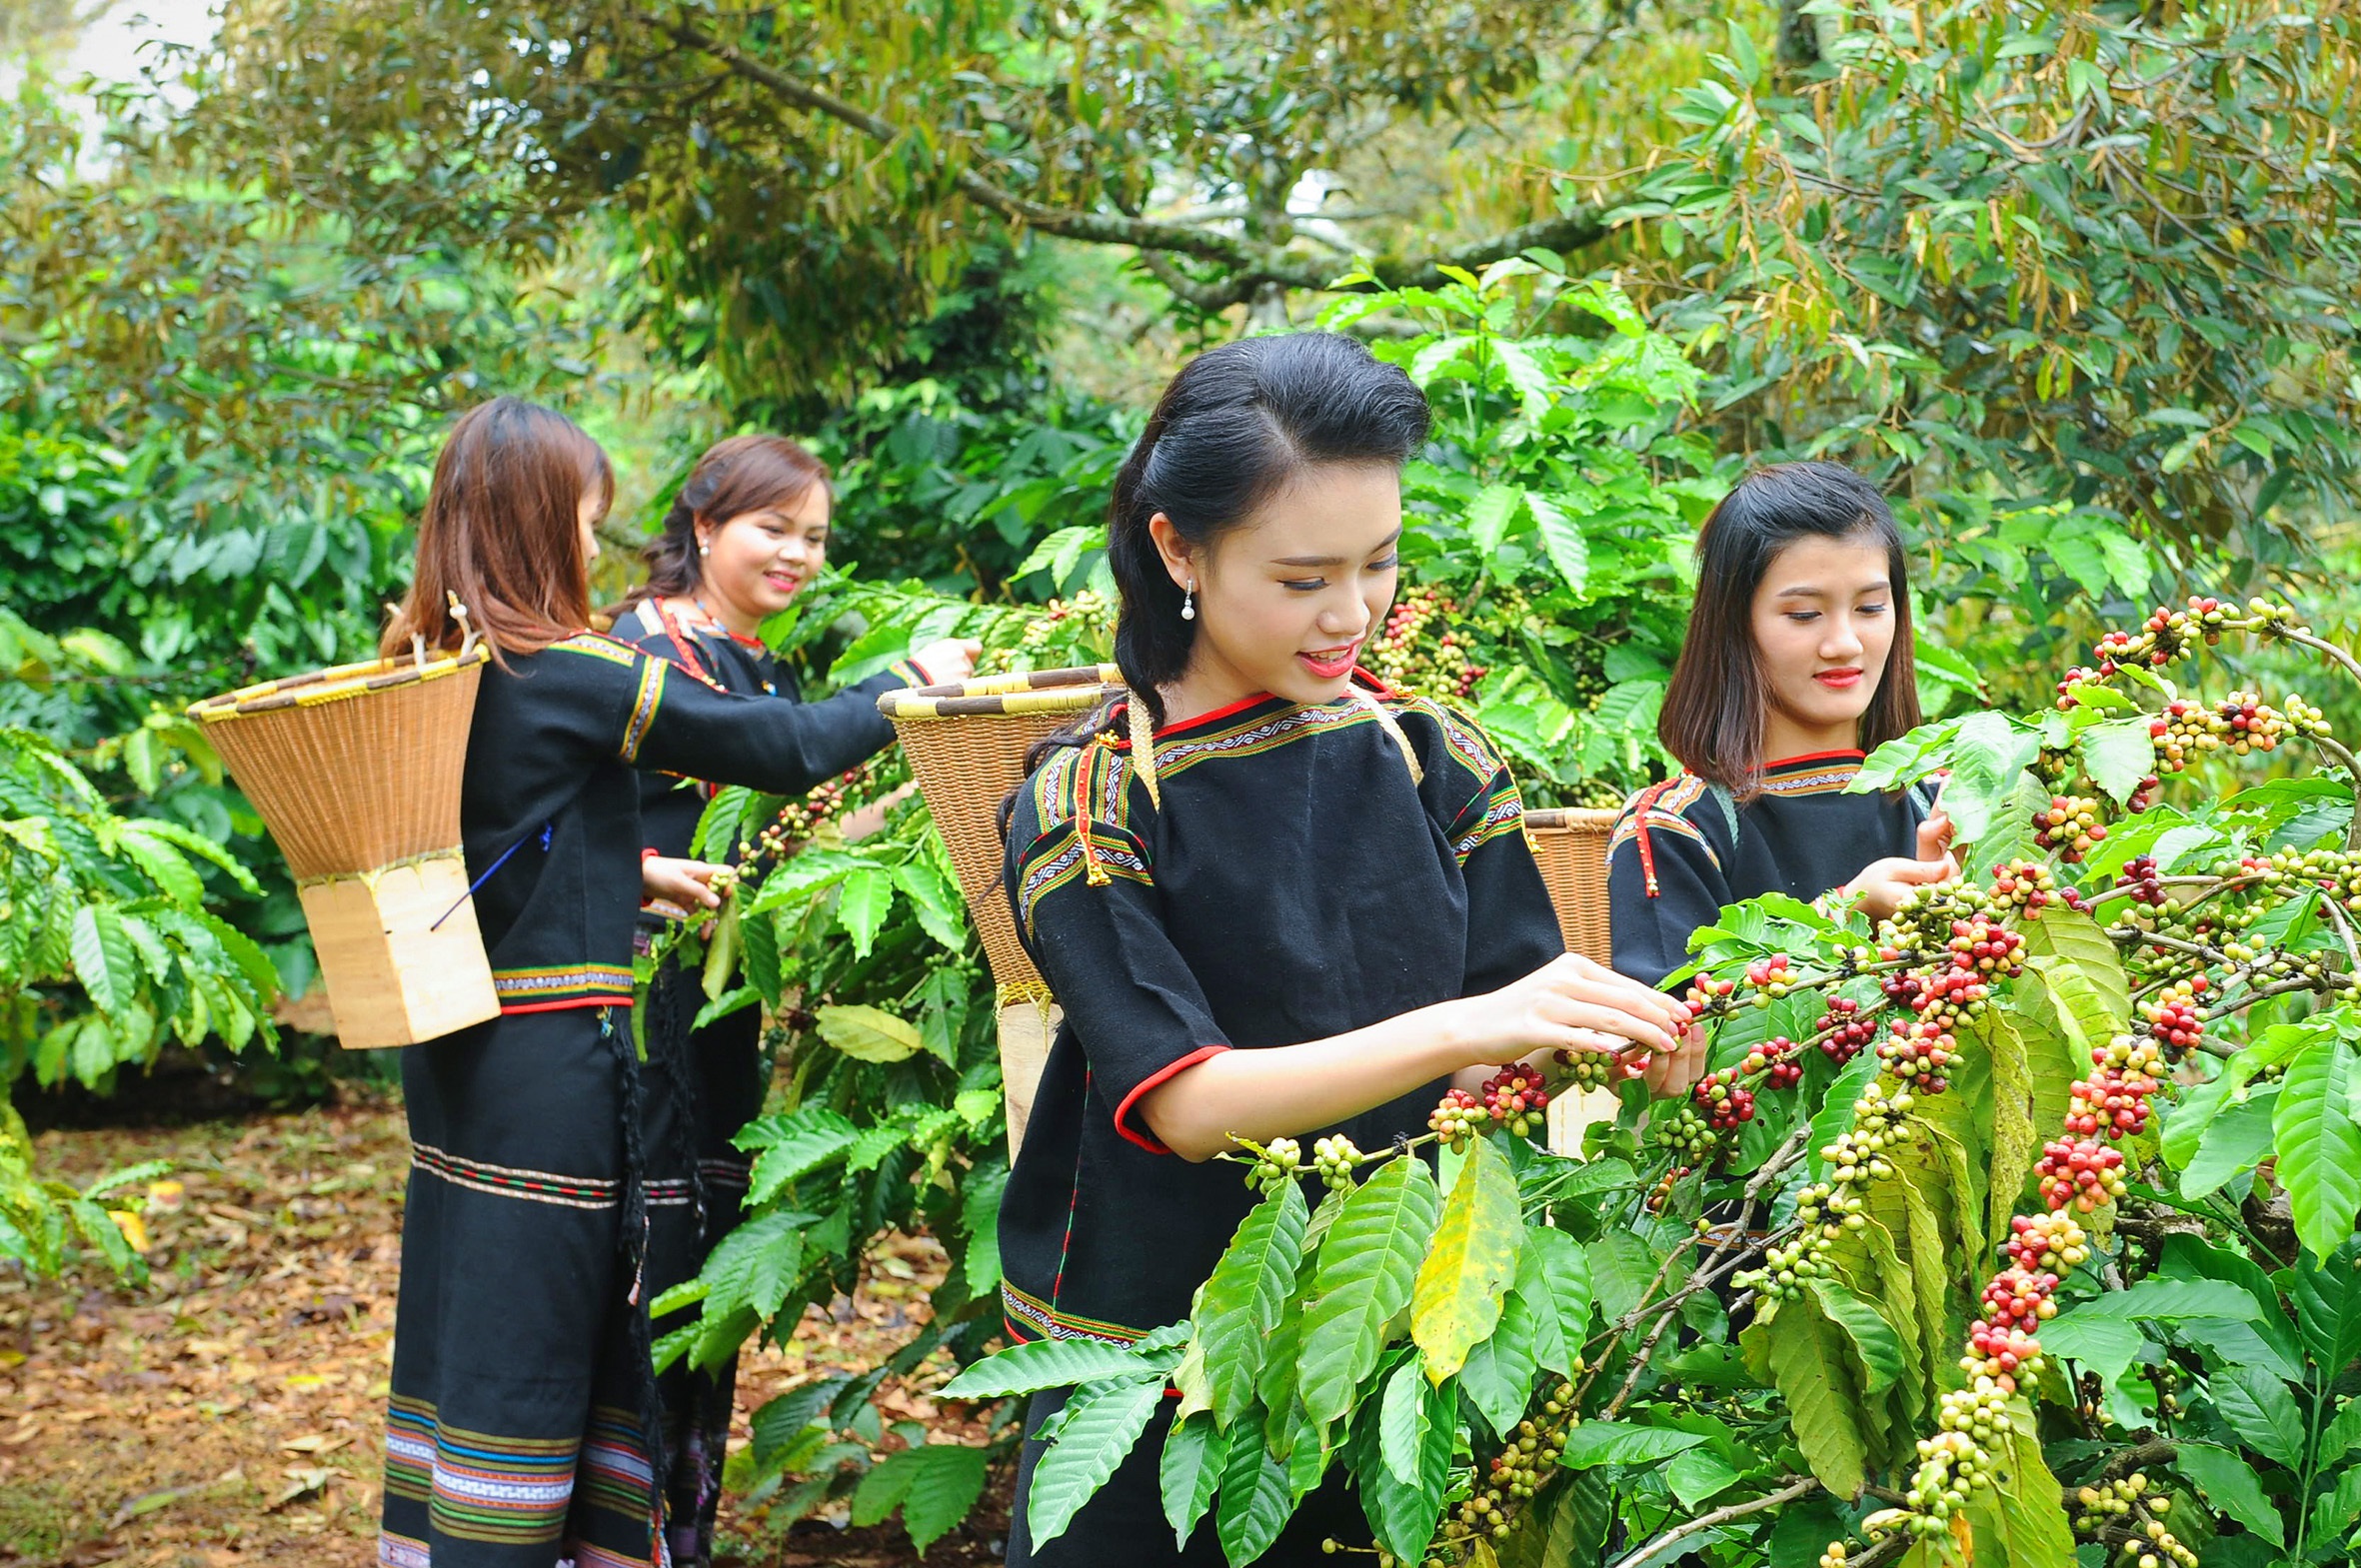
{"x": 748, "y": 532}
{"x": 1798, "y": 662}
{"x": 1278, "y": 900}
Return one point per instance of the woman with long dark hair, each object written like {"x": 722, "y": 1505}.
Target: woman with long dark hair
{"x": 1798, "y": 662}
{"x": 1275, "y": 897}
{"x": 522, "y": 1428}
{"x": 748, "y": 532}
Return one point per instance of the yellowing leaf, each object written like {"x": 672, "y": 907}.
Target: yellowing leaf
{"x": 867, "y": 1035}
{"x": 1456, "y": 1299}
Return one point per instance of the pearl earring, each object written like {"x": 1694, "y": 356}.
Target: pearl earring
{"x": 1189, "y": 601}
{"x": 705, "y": 550}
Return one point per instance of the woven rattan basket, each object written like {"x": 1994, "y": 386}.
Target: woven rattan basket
{"x": 356, "y": 770}
{"x": 966, "y": 745}
{"x": 1571, "y": 848}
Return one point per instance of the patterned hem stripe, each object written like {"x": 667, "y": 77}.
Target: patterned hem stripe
{"x": 578, "y": 984}
{"x": 644, "y": 705}
{"x": 1047, "y": 1322}
{"x": 535, "y": 1187}
{"x": 400, "y": 1551}
{"x": 1831, "y": 779}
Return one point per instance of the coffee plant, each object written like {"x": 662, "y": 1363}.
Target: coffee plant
{"x": 107, "y": 950}
{"x": 2017, "y": 1224}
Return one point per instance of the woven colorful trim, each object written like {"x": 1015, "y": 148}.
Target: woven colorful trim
{"x": 1058, "y": 856}
{"x": 1826, "y": 773}
{"x": 509, "y": 1491}
{"x": 1250, "y": 737}
{"x": 508, "y": 1182}
{"x": 1465, "y": 739}
{"x": 401, "y": 1551}
{"x": 1502, "y": 814}
{"x": 616, "y": 1473}
{"x": 562, "y": 984}
{"x": 598, "y": 646}
{"x": 644, "y": 705}
{"x": 1030, "y": 1317}
{"x": 1665, "y": 815}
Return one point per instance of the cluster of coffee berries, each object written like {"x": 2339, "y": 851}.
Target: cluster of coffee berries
{"x": 1984, "y": 946}
{"x": 2145, "y": 882}
{"x": 2030, "y": 886}
{"x": 1457, "y": 1116}
{"x": 1591, "y": 1070}
{"x": 799, "y": 819}
{"x": 1775, "y": 1059}
{"x": 1722, "y": 1102}
{"x": 1086, "y": 617}
{"x": 1334, "y": 1158}
{"x": 1843, "y": 1031}
{"x": 2047, "y": 1244}
{"x": 2000, "y": 1344}
{"x": 2173, "y": 1019}
{"x": 1422, "y": 649}
{"x": 1508, "y": 1480}
{"x": 1687, "y": 1134}
{"x": 1919, "y": 1055}
{"x": 2079, "y": 1171}
{"x": 1515, "y": 1098}
{"x": 2124, "y": 1511}
{"x": 2068, "y": 827}
{"x": 1275, "y": 1163}
{"x": 1825, "y": 1210}
{"x": 2113, "y": 1101}
{"x": 1770, "y": 979}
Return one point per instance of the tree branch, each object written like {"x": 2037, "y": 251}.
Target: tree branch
{"x": 1248, "y": 266}
{"x": 1721, "y": 1516}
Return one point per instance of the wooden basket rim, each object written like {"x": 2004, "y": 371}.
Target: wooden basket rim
{"x": 1019, "y": 692}
{"x": 1568, "y": 817}
{"x": 334, "y": 684}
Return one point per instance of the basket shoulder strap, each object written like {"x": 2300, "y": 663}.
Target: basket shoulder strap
{"x": 1730, "y": 809}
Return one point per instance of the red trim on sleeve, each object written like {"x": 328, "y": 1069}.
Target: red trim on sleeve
{"x": 1146, "y": 1140}
{"x": 650, "y": 853}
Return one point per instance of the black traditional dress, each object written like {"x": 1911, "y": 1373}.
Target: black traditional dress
{"x": 521, "y": 1428}
{"x": 1684, "y": 848}
{"x": 707, "y": 1084}
{"x": 1310, "y": 871}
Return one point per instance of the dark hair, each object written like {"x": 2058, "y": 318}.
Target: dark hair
{"x": 502, "y": 531}
{"x": 741, "y": 475}
{"x": 1232, "y": 428}
{"x": 1714, "y": 708}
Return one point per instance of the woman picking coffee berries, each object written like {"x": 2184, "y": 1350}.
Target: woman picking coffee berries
{"x": 1798, "y": 662}
{"x": 748, "y": 531}
{"x": 1275, "y": 898}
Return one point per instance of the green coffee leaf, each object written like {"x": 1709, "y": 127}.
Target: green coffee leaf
{"x": 1368, "y": 1263}
{"x": 1095, "y": 1431}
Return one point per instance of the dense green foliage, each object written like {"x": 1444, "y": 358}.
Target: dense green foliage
{"x": 2121, "y": 1063}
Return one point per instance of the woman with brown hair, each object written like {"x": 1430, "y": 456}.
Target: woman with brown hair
{"x": 748, "y": 532}
{"x": 1798, "y": 662}
{"x": 522, "y": 1428}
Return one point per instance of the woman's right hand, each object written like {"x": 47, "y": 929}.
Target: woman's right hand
{"x": 952, "y": 660}
{"x": 1570, "y": 1004}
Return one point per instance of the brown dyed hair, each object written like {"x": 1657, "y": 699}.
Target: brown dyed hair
{"x": 502, "y": 530}
{"x": 1714, "y": 708}
{"x": 741, "y": 475}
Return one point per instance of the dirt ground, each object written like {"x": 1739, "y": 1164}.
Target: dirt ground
{"x": 231, "y": 1410}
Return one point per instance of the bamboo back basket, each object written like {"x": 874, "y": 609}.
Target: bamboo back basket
{"x": 966, "y": 744}
{"x": 356, "y": 770}
{"x": 1570, "y": 846}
